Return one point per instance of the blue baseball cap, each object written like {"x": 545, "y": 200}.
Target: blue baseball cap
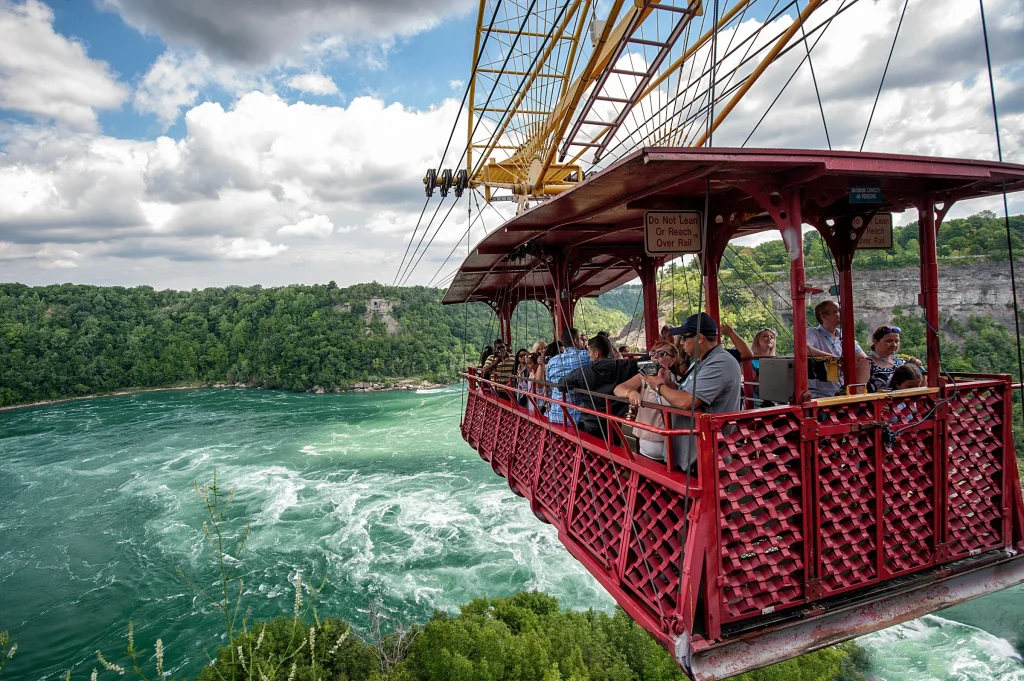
{"x": 708, "y": 326}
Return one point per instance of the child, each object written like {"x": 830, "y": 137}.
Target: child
{"x": 907, "y": 376}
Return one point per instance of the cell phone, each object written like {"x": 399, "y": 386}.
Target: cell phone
{"x": 648, "y": 368}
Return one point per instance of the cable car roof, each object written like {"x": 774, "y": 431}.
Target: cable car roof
{"x": 602, "y": 218}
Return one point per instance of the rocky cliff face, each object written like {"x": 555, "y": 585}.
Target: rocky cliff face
{"x": 964, "y": 290}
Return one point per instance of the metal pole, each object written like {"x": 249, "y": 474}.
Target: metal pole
{"x": 648, "y": 280}
{"x": 929, "y": 286}
{"x": 793, "y": 236}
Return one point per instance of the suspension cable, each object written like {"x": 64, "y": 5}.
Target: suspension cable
{"x": 1006, "y": 208}
{"x": 886, "y": 70}
{"x": 450, "y": 136}
{"x": 814, "y": 79}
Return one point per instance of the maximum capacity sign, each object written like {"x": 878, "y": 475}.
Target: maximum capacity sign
{"x": 668, "y": 232}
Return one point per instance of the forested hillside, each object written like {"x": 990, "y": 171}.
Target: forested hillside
{"x": 69, "y": 340}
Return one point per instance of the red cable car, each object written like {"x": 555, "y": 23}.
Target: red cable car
{"x": 804, "y": 526}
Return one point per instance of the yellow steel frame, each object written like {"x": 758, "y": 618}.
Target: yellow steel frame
{"x": 515, "y": 171}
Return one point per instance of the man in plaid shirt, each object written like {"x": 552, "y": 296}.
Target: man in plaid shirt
{"x": 571, "y": 358}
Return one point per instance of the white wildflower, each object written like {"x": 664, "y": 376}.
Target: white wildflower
{"x": 291, "y": 677}
{"x": 298, "y": 592}
{"x": 95, "y": 673}
{"x": 312, "y": 640}
{"x": 259, "y": 641}
{"x": 131, "y": 637}
{"x": 160, "y": 657}
{"x": 110, "y": 665}
{"x": 10, "y": 653}
{"x": 263, "y": 677}
{"x": 241, "y": 657}
{"x": 337, "y": 644}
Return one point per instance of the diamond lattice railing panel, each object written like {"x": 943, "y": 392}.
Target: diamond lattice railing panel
{"x": 847, "y": 501}
{"x": 760, "y": 514}
{"x": 845, "y": 414}
{"x": 555, "y": 480}
{"x": 975, "y": 512}
{"x": 654, "y": 554}
{"x": 487, "y": 429}
{"x": 467, "y": 420}
{"x": 527, "y": 446}
{"x": 477, "y": 424}
{"x": 908, "y": 492}
{"x": 600, "y": 506}
{"x": 506, "y": 439}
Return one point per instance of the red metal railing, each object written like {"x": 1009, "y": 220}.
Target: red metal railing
{"x": 793, "y": 506}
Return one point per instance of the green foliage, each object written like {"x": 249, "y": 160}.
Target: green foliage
{"x": 281, "y": 649}
{"x": 978, "y": 237}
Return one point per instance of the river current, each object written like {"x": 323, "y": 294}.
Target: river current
{"x": 376, "y": 493}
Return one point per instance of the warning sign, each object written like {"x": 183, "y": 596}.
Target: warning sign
{"x": 669, "y": 232}
{"x": 878, "y": 234}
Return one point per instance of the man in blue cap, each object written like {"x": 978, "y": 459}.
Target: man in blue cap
{"x": 712, "y": 384}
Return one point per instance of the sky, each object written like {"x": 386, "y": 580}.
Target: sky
{"x": 193, "y": 143}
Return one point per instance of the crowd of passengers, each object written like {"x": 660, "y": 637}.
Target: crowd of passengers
{"x": 694, "y": 371}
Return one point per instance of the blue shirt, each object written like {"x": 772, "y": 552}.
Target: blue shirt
{"x": 820, "y": 339}
{"x": 558, "y": 368}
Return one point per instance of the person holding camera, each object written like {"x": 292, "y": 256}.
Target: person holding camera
{"x": 665, "y": 356}
{"x": 711, "y": 385}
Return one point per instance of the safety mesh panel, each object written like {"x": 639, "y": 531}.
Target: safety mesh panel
{"x": 487, "y": 429}
{"x": 476, "y": 426}
{"x": 975, "y": 473}
{"x": 505, "y": 441}
{"x": 761, "y": 514}
{"x": 908, "y": 486}
{"x": 847, "y": 501}
{"x": 600, "y": 506}
{"x": 524, "y": 459}
{"x": 467, "y": 420}
{"x": 555, "y": 479}
{"x": 654, "y": 555}
{"x": 845, "y": 414}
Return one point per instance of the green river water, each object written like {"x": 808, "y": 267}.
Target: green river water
{"x": 377, "y": 493}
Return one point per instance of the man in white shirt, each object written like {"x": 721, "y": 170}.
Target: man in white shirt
{"x": 826, "y": 341}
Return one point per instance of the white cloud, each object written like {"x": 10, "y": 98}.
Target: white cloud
{"x": 258, "y": 33}
{"x": 61, "y": 264}
{"x": 314, "y": 83}
{"x": 48, "y": 76}
{"x": 455, "y": 84}
{"x": 249, "y": 249}
{"x": 247, "y": 176}
{"x": 317, "y": 226}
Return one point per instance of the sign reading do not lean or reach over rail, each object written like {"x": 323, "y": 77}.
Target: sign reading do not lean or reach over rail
{"x": 878, "y": 234}
{"x": 668, "y": 232}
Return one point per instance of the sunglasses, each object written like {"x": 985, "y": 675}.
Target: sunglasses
{"x": 523, "y": 355}
{"x": 661, "y": 353}
{"x": 890, "y": 329}
{"x": 688, "y": 336}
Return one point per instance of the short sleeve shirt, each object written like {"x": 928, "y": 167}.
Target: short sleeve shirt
{"x": 558, "y": 368}
{"x": 715, "y": 380}
{"x": 820, "y": 339}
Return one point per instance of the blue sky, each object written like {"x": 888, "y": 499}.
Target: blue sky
{"x": 191, "y": 143}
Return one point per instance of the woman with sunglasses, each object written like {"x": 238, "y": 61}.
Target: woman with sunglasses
{"x": 521, "y": 373}
{"x": 763, "y": 346}
{"x": 636, "y": 390}
{"x": 883, "y": 360}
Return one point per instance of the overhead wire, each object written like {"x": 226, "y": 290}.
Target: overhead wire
{"x": 465, "y": 95}
{"x": 1006, "y": 207}
{"x": 881, "y": 83}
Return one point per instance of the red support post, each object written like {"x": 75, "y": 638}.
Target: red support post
{"x": 792, "y": 235}
{"x": 648, "y": 280}
{"x": 711, "y": 304}
{"x": 929, "y": 285}
{"x": 846, "y": 319}
{"x": 562, "y": 305}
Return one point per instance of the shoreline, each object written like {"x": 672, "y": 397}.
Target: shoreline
{"x": 360, "y": 387}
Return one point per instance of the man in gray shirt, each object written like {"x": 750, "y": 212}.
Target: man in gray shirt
{"x": 712, "y": 384}
{"x": 826, "y": 341}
